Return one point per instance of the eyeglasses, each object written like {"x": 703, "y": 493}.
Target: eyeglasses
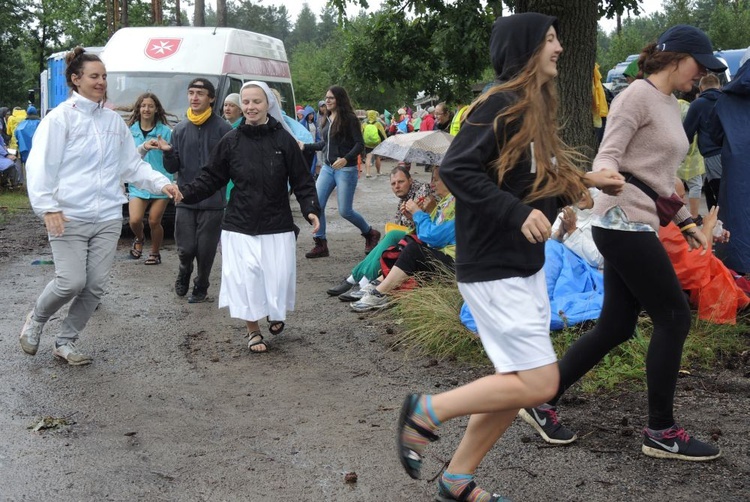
{"x": 330, "y": 98}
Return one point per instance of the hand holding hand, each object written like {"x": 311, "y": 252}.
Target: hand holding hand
{"x": 314, "y": 221}
{"x": 607, "y": 180}
{"x": 173, "y": 192}
{"x": 151, "y": 144}
{"x": 696, "y": 239}
{"x": 162, "y": 144}
{"x": 55, "y": 223}
{"x": 340, "y": 162}
{"x": 536, "y": 228}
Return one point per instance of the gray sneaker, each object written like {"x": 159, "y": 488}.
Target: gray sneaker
{"x": 31, "y": 333}
{"x": 70, "y": 353}
{"x": 371, "y": 301}
{"x": 355, "y": 294}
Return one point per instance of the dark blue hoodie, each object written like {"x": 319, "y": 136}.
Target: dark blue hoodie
{"x": 697, "y": 121}
{"x": 489, "y": 242}
{"x": 730, "y": 126}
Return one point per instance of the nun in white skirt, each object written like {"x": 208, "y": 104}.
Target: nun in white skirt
{"x": 258, "y": 238}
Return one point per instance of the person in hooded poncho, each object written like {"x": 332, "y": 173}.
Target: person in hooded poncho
{"x": 508, "y": 189}
{"x": 645, "y": 142}
{"x": 261, "y": 156}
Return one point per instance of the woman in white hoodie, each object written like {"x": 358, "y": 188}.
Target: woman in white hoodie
{"x": 83, "y": 154}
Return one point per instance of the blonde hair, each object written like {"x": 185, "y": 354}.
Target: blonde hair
{"x": 534, "y": 114}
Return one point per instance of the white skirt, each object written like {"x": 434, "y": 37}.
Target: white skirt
{"x": 258, "y": 275}
{"x": 513, "y": 317}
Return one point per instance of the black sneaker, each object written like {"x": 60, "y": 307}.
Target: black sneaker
{"x": 340, "y": 288}
{"x": 198, "y": 296}
{"x": 182, "y": 284}
{"x": 548, "y": 425}
{"x": 675, "y": 443}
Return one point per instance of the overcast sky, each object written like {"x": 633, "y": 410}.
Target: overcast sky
{"x": 295, "y": 6}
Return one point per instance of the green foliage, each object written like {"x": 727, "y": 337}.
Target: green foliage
{"x": 430, "y": 326}
{"x": 729, "y": 26}
{"x": 313, "y": 70}
{"x": 12, "y": 201}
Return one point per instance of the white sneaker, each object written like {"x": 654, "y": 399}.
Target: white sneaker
{"x": 371, "y": 301}
{"x": 70, "y": 353}
{"x": 31, "y": 333}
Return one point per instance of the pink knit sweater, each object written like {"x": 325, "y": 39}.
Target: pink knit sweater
{"x": 643, "y": 137}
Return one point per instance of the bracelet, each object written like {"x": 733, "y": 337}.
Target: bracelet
{"x": 688, "y": 227}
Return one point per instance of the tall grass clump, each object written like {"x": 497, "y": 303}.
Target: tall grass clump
{"x": 431, "y": 327}
{"x": 12, "y": 201}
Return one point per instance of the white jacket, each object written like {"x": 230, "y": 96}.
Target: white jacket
{"x": 83, "y": 155}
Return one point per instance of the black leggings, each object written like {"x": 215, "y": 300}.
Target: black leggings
{"x": 416, "y": 257}
{"x": 637, "y": 274}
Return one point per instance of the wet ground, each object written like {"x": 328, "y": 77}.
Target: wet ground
{"x": 175, "y": 408}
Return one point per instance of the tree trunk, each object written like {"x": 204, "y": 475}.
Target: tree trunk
{"x": 124, "y": 13}
{"x": 577, "y": 22}
{"x": 156, "y": 12}
{"x": 221, "y": 13}
{"x": 178, "y": 13}
{"x": 199, "y": 18}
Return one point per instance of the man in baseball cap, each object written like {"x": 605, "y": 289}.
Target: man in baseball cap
{"x": 690, "y": 40}
{"x": 202, "y": 83}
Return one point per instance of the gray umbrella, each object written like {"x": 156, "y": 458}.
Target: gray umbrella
{"x": 427, "y": 147}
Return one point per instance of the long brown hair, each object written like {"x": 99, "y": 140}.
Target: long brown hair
{"x": 535, "y": 115}
{"x": 346, "y": 119}
{"x": 159, "y": 116}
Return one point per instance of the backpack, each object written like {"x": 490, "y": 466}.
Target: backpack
{"x": 371, "y": 134}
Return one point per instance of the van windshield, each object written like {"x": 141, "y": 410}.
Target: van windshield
{"x": 171, "y": 88}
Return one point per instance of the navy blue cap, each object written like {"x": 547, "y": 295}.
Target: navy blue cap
{"x": 690, "y": 40}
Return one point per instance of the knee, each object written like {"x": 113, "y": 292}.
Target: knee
{"x": 68, "y": 287}
{"x": 154, "y": 222}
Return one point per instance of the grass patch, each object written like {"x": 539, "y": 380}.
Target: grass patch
{"x": 12, "y": 201}
{"x": 431, "y": 327}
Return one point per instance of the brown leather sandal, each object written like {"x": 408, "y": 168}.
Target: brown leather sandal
{"x": 136, "y": 250}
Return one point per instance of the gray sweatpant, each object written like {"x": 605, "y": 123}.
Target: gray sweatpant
{"x": 83, "y": 258}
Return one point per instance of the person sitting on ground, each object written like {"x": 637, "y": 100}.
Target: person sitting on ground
{"x": 573, "y": 228}
{"x": 435, "y": 244}
{"x": 405, "y": 188}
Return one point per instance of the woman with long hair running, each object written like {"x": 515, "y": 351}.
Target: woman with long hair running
{"x": 509, "y": 171}
{"x": 147, "y": 124}
{"x": 645, "y": 141}
{"x": 341, "y": 143}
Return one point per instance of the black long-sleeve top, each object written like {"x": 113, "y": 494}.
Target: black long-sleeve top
{"x": 260, "y": 160}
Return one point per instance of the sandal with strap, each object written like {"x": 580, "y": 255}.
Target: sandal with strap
{"x": 153, "y": 259}
{"x": 411, "y": 460}
{"x": 136, "y": 250}
{"x": 275, "y": 327}
{"x": 258, "y": 337}
{"x": 445, "y": 495}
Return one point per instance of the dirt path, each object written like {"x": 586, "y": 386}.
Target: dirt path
{"x": 174, "y": 407}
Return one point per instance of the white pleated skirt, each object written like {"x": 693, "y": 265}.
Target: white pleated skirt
{"x": 258, "y": 275}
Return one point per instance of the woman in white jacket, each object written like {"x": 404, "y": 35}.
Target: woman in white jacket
{"x": 83, "y": 154}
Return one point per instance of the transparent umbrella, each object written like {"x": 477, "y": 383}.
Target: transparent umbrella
{"x": 427, "y": 147}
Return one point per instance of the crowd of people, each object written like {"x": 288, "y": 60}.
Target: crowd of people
{"x": 485, "y": 217}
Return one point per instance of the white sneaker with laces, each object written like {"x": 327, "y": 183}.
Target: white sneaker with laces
{"x": 31, "y": 333}
{"x": 371, "y": 301}
{"x": 70, "y": 353}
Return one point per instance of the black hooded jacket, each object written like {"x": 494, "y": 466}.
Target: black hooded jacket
{"x": 260, "y": 160}
{"x": 489, "y": 242}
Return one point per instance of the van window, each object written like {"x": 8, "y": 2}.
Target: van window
{"x": 171, "y": 89}
{"x": 235, "y": 85}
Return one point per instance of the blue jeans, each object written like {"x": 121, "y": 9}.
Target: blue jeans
{"x": 345, "y": 181}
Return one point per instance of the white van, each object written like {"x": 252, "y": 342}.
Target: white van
{"x": 164, "y": 59}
